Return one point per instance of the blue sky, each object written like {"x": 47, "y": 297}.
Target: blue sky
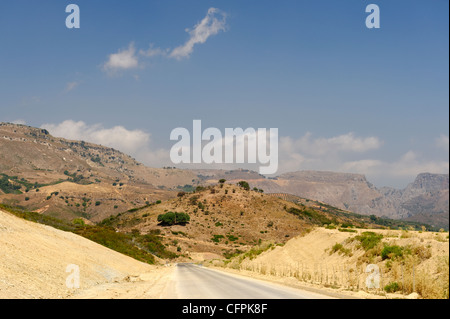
{"x": 344, "y": 97}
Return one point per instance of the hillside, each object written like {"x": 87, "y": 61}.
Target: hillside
{"x": 226, "y": 219}
{"x": 94, "y": 182}
{"x": 37, "y": 156}
{"x": 34, "y": 259}
{"x": 70, "y": 179}
{"x": 408, "y": 262}
{"x": 424, "y": 200}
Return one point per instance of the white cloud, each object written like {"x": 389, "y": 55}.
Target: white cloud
{"x": 400, "y": 171}
{"x": 365, "y": 166}
{"x": 19, "y": 121}
{"x": 309, "y": 153}
{"x": 135, "y": 143}
{"x": 71, "y": 86}
{"x": 212, "y": 24}
{"x": 410, "y": 164}
{"x": 304, "y": 153}
{"x": 442, "y": 142}
{"x": 348, "y": 153}
{"x": 152, "y": 52}
{"x": 326, "y": 146}
{"x": 122, "y": 60}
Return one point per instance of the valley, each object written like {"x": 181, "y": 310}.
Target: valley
{"x": 59, "y": 196}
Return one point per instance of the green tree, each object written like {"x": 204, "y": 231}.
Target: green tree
{"x": 244, "y": 185}
{"x": 171, "y": 218}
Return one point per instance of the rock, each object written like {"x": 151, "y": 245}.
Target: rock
{"x": 414, "y": 295}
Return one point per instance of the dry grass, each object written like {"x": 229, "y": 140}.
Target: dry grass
{"x": 421, "y": 264}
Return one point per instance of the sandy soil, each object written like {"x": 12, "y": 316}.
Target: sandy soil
{"x": 310, "y": 257}
{"x": 34, "y": 259}
{"x": 314, "y": 248}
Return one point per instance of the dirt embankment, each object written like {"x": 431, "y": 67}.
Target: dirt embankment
{"x": 34, "y": 259}
{"x": 407, "y": 262}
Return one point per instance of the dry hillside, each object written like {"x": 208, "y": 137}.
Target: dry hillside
{"x": 32, "y": 158}
{"x": 35, "y": 166}
{"x": 226, "y": 219}
{"x": 424, "y": 200}
{"x": 34, "y": 259}
{"x": 408, "y": 261}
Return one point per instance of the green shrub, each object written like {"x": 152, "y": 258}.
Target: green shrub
{"x": 392, "y": 252}
{"x": 171, "y": 218}
{"x": 8, "y": 187}
{"x": 392, "y": 287}
{"x": 217, "y": 238}
{"x": 117, "y": 241}
{"x": 78, "y": 222}
{"x": 347, "y": 230}
{"x": 244, "y": 185}
{"x": 341, "y": 250}
{"x": 369, "y": 240}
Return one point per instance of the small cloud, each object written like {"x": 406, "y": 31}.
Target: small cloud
{"x": 410, "y": 164}
{"x": 212, "y": 24}
{"x": 122, "y": 60}
{"x": 153, "y": 52}
{"x": 327, "y": 146}
{"x": 71, "y": 86}
{"x": 19, "y": 121}
{"x": 136, "y": 143}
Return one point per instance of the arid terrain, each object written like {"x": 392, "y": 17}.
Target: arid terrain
{"x": 32, "y": 160}
{"x": 337, "y": 261}
{"x": 227, "y": 219}
{"x": 127, "y": 226}
{"x": 425, "y": 200}
{"x": 34, "y": 259}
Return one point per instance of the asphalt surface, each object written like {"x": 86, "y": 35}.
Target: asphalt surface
{"x": 195, "y": 282}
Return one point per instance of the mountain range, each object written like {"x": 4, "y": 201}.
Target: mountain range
{"x": 75, "y": 178}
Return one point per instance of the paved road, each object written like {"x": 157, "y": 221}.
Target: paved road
{"x": 194, "y": 282}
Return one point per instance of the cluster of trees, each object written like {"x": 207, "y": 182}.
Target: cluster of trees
{"x": 244, "y": 185}
{"x": 8, "y": 187}
{"x": 171, "y": 218}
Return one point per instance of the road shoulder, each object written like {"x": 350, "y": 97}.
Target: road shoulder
{"x": 294, "y": 283}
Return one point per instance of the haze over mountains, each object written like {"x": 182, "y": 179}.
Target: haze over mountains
{"x": 41, "y": 171}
